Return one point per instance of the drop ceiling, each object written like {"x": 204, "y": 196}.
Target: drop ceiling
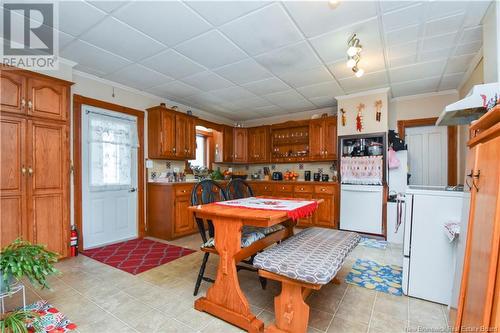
{"x": 244, "y": 60}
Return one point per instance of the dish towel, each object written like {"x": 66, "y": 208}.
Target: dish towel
{"x": 452, "y": 230}
{"x": 295, "y": 208}
{"x": 362, "y": 170}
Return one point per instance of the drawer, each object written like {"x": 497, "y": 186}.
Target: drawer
{"x": 303, "y": 189}
{"x": 323, "y": 189}
{"x": 183, "y": 190}
{"x": 283, "y": 188}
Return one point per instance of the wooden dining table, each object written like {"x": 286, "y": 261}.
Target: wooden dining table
{"x": 225, "y": 299}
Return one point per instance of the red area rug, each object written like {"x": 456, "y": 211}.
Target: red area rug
{"x": 138, "y": 255}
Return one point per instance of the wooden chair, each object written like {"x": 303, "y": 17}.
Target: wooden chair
{"x": 205, "y": 192}
{"x": 238, "y": 189}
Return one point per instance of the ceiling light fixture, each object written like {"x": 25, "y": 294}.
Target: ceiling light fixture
{"x": 333, "y": 3}
{"x": 354, "y": 55}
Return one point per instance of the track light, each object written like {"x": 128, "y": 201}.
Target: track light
{"x": 354, "y": 55}
{"x": 333, "y": 3}
{"x": 351, "y": 63}
{"x": 358, "y": 71}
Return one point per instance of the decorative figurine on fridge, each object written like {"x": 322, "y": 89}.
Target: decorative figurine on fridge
{"x": 343, "y": 117}
{"x": 378, "y": 107}
{"x": 359, "y": 117}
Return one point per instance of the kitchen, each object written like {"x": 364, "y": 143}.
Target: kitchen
{"x": 244, "y": 161}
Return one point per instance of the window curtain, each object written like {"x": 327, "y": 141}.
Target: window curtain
{"x": 111, "y": 141}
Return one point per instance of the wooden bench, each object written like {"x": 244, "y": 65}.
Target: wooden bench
{"x": 303, "y": 263}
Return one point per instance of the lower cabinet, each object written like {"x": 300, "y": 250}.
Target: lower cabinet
{"x": 169, "y": 218}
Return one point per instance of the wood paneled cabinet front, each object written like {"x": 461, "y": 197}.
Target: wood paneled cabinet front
{"x": 171, "y": 135}
{"x": 323, "y": 139}
{"x": 240, "y": 146}
{"x": 167, "y": 213}
{"x": 228, "y": 143}
{"x": 34, "y": 95}
{"x": 259, "y": 144}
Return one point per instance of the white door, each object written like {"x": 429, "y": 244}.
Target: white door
{"x": 109, "y": 177}
{"x": 427, "y": 155}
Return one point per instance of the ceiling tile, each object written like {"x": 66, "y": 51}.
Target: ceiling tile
{"x": 211, "y": 49}
{"x": 403, "y": 61}
{"x": 451, "y": 81}
{"x": 402, "y": 50}
{"x": 266, "y": 86}
{"x": 175, "y": 89}
{"x": 252, "y": 32}
{"x": 251, "y": 103}
{"x": 321, "y": 89}
{"x": 173, "y": 64}
{"x": 434, "y": 55}
{"x": 439, "y": 42}
{"x": 458, "y": 64}
{"x": 475, "y": 12}
{"x": 232, "y": 94}
{"x": 333, "y": 46}
{"x": 444, "y": 25}
{"x": 317, "y": 17}
{"x": 169, "y": 22}
{"x": 107, "y": 6}
{"x": 424, "y": 69}
{"x": 439, "y": 9}
{"x": 136, "y": 46}
{"x": 244, "y": 71}
{"x": 139, "y": 77}
{"x": 323, "y": 101}
{"x": 75, "y": 17}
{"x": 64, "y": 39}
{"x": 472, "y": 34}
{"x": 220, "y": 12}
{"x": 93, "y": 71}
{"x": 207, "y": 81}
{"x": 388, "y": 6}
{"x": 402, "y": 35}
{"x": 93, "y": 57}
{"x": 288, "y": 99}
{"x": 415, "y": 87}
{"x": 307, "y": 77}
{"x": 468, "y": 48}
{"x": 399, "y": 18}
{"x": 366, "y": 82}
{"x": 268, "y": 111}
{"x": 295, "y": 57}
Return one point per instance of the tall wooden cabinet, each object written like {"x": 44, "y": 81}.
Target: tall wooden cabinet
{"x": 34, "y": 167}
{"x": 227, "y": 138}
{"x": 171, "y": 134}
{"x": 479, "y": 302}
{"x": 240, "y": 146}
{"x": 258, "y": 144}
{"x": 323, "y": 139}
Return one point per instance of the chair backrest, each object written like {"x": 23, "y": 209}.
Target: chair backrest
{"x": 238, "y": 189}
{"x": 205, "y": 192}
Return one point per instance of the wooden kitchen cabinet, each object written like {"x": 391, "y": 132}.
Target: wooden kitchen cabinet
{"x": 240, "y": 146}
{"x": 323, "y": 139}
{"x": 171, "y": 134}
{"x": 184, "y": 223}
{"x": 262, "y": 189}
{"x": 34, "y": 173}
{"x": 258, "y": 144}
{"x": 227, "y": 149}
{"x": 479, "y": 300}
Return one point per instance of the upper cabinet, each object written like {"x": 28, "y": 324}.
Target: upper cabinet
{"x": 240, "y": 147}
{"x": 323, "y": 139}
{"x": 31, "y": 94}
{"x": 258, "y": 144}
{"x": 227, "y": 146}
{"x": 171, "y": 134}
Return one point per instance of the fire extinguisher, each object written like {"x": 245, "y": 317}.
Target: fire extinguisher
{"x": 74, "y": 241}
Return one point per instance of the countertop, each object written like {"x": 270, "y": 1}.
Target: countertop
{"x": 433, "y": 190}
{"x": 292, "y": 182}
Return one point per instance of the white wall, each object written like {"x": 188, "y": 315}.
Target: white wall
{"x": 331, "y": 111}
{"x": 491, "y": 43}
{"x": 419, "y": 106}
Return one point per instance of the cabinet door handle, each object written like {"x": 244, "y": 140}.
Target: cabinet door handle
{"x": 30, "y": 171}
{"x": 23, "y": 170}
{"x": 23, "y": 104}
{"x": 30, "y": 105}
{"x": 173, "y": 149}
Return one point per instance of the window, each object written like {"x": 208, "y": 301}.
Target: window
{"x": 201, "y": 151}
{"x": 111, "y": 144}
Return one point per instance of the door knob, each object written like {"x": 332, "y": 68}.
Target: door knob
{"x": 132, "y": 189}
{"x": 30, "y": 171}
{"x": 23, "y": 170}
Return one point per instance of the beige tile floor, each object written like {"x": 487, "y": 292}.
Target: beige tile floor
{"x": 100, "y": 298}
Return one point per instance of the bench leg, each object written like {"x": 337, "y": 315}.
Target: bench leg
{"x": 292, "y": 313}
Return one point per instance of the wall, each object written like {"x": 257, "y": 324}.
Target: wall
{"x": 349, "y": 104}
{"x": 331, "y": 111}
{"x": 491, "y": 43}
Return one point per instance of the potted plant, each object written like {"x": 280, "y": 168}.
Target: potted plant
{"x": 18, "y": 321}
{"x": 21, "y": 258}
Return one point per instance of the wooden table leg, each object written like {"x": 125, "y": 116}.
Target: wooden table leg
{"x": 224, "y": 298}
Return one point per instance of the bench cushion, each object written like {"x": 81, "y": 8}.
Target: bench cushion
{"x": 314, "y": 255}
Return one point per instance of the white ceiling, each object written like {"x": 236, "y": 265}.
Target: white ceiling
{"x": 243, "y": 60}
